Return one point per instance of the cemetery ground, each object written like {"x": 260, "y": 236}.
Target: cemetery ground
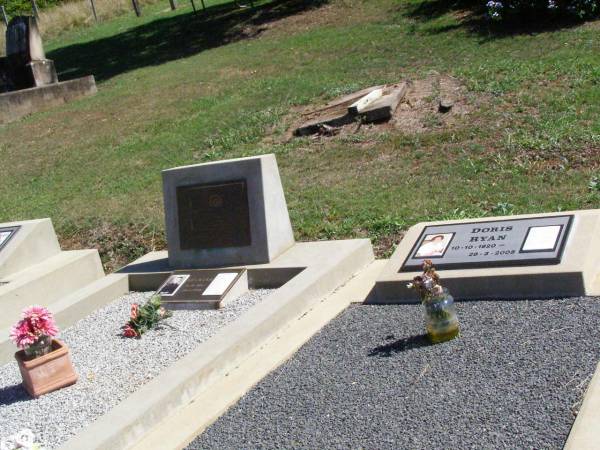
{"x": 291, "y": 360}
{"x": 177, "y": 88}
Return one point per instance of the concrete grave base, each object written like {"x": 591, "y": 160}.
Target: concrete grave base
{"x": 310, "y": 272}
{"x": 34, "y": 271}
{"x": 578, "y": 273}
{"x": 16, "y": 104}
{"x": 180, "y": 428}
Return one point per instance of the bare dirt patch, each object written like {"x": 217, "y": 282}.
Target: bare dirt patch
{"x": 418, "y": 112}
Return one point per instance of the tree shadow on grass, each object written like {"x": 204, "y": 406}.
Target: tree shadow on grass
{"x": 400, "y": 345}
{"x": 171, "y": 38}
{"x": 471, "y": 15}
{"x": 13, "y": 394}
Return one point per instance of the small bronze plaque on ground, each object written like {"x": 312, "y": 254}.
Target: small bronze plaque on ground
{"x": 203, "y": 288}
{"x": 499, "y": 243}
{"x": 6, "y": 234}
{"x": 214, "y": 215}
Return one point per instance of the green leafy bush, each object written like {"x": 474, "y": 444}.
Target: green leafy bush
{"x": 23, "y": 7}
{"x": 502, "y": 10}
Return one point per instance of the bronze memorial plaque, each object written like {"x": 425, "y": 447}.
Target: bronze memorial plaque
{"x": 214, "y": 215}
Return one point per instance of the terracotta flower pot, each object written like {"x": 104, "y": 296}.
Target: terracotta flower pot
{"x": 49, "y": 372}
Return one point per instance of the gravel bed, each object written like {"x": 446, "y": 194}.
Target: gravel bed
{"x": 514, "y": 379}
{"x": 110, "y": 367}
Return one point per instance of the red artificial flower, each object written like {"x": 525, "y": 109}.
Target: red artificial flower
{"x": 128, "y": 331}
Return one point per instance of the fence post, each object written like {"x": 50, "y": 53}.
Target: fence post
{"x": 94, "y": 10}
{"x": 136, "y": 8}
{"x": 173, "y": 4}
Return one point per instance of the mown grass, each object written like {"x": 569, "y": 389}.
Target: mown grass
{"x": 177, "y": 88}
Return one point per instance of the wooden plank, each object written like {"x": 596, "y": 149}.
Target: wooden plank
{"x": 360, "y": 105}
{"x": 345, "y": 101}
{"x": 314, "y": 126}
{"x": 384, "y": 107}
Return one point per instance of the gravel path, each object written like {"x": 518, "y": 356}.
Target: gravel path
{"x": 110, "y": 367}
{"x": 369, "y": 380}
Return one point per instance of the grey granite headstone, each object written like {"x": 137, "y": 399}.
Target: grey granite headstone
{"x": 514, "y": 242}
{"x": 226, "y": 213}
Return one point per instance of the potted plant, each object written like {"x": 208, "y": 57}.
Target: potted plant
{"x": 440, "y": 314}
{"x": 44, "y": 362}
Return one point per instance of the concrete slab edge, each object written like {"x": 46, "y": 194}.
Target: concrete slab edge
{"x": 180, "y": 383}
{"x": 179, "y": 429}
{"x": 585, "y": 433}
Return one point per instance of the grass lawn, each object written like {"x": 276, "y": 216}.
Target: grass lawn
{"x": 177, "y": 88}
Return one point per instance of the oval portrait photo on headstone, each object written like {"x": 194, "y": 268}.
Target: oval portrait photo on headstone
{"x": 434, "y": 245}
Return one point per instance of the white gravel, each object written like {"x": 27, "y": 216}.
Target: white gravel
{"x": 110, "y": 367}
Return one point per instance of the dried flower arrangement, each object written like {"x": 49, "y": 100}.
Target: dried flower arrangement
{"x": 143, "y": 318}
{"x": 440, "y": 314}
{"x": 428, "y": 284}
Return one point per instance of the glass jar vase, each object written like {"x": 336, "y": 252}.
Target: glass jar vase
{"x": 39, "y": 348}
{"x": 441, "y": 321}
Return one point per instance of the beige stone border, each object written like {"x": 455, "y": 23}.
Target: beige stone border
{"x": 325, "y": 265}
{"x": 585, "y": 433}
{"x": 180, "y": 428}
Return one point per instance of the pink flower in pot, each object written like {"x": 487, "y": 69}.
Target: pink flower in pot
{"x": 44, "y": 362}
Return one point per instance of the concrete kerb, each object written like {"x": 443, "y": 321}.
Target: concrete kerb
{"x": 16, "y": 104}
{"x": 328, "y": 265}
{"x": 585, "y": 433}
{"x": 179, "y": 429}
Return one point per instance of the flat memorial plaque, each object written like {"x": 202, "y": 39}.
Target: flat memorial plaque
{"x": 498, "y": 243}
{"x": 202, "y": 288}
{"x": 214, "y": 215}
{"x": 6, "y": 234}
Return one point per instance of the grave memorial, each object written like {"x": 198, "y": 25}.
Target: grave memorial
{"x": 26, "y": 65}
{"x": 529, "y": 256}
{"x": 226, "y": 213}
{"x": 28, "y": 80}
{"x": 203, "y": 289}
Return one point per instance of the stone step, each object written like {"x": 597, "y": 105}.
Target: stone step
{"x": 46, "y": 282}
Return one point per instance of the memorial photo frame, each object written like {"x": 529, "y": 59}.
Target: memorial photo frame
{"x": 172, "y": 284}
{"x": 536, "y": 234}
{"x": 432, "y": 247}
